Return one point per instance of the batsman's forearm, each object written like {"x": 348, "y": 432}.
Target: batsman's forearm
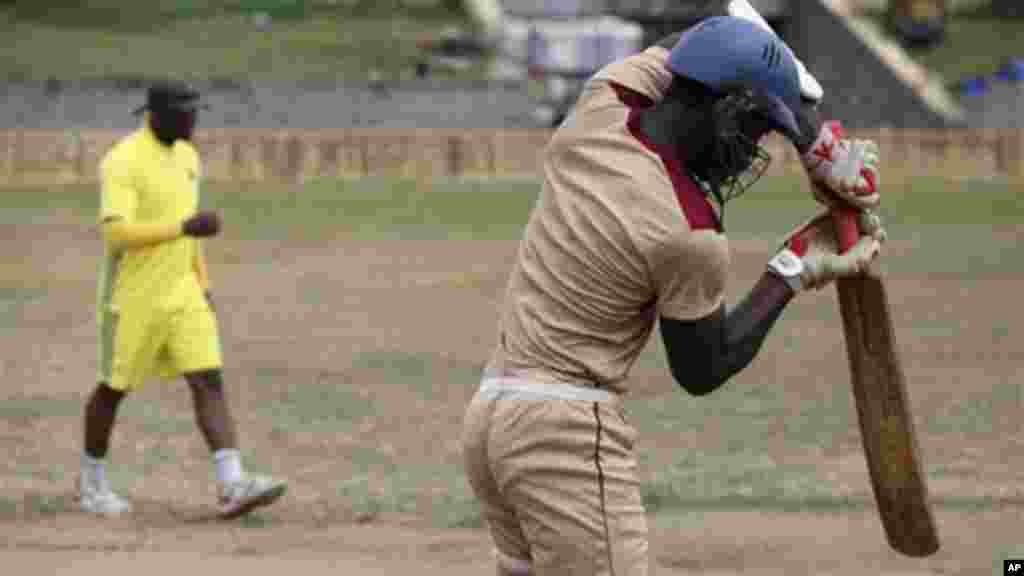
{"x": 704, "y": 354}
{"x": 120, "y": 234}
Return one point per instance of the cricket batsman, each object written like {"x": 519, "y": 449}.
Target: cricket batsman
{"x": 154, "y": 312}
{"x": 627, "y": 233}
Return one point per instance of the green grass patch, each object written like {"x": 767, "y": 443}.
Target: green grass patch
{"x": 417, "y": 371}
{"x": 160, "y": 418}
{"x": 947, "y": 220}
{"x": 9, "y": 507}
{"x": 973, "y": 415}
{"x": 46, "y": 504}
{"x": 12, "y": 297}
{"x": 115, "y": 38}
{"x": 309, "y": 400}
{"x": 976, "y": 41}
{"x": 1001, "y": 553}
{"x": 733, "y": 466}
{"x": 28, "y": 408}
{"x": 468, "y": 209}
{"x": 37, "y": 205}
{"x": 744, "y": 409}
{"x": 368, "y": 208}
{"x": 257, "y": 519}
{"x": 774, "y": 203}
{"x": 373, "y": 208}
{"x": 977, "y": 45}
{"x": 450, "y": 503}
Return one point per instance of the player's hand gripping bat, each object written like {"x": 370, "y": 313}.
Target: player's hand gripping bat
{"x": 883, "y": 410}
{"x": 879, "y": 385}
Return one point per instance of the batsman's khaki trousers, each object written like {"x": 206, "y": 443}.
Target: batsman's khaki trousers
{"x": 553, "y": 468}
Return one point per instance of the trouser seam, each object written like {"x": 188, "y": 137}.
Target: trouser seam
{"x": 601, "y": 488}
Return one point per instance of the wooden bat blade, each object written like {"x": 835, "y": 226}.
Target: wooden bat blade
{"x": 883, "y": 411}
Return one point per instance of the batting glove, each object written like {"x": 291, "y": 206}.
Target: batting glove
{"x": 843, "y": 171}
{"x": 810, "y": 258}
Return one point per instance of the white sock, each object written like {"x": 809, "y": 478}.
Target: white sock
{"x": 227, "y": 465}
{"x": 94, "y": 471}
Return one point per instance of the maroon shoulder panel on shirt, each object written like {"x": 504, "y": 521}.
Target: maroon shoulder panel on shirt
{"x": 694, "y": 203}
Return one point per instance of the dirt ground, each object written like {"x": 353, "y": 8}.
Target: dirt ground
{"x": 304, "y": 312}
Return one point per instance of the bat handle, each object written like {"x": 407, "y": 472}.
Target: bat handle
{"x": 847, "y": 230}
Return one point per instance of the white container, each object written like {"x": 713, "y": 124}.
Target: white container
{"x": 581, "y": 47}
{"x": 554, "y": 8}
{"x": 514, "y": 39}
{"x": 617, "y": 39}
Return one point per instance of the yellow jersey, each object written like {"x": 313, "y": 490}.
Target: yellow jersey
{"x": 143, "y": 180}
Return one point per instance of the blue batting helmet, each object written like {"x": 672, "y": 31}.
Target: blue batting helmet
{"x": 729, "y": 54}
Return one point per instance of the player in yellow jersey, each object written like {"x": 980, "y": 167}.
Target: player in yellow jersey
{"x": 154, "y": 313}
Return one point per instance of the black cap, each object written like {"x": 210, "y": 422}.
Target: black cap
{"x": 175, "y": 95}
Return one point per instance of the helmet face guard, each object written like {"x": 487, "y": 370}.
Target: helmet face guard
{"x": 758, "y": 83}
{"x": 740, "y": 119}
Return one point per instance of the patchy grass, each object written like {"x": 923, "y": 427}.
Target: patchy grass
{"x": 471, "y": 209}
{"x": 9, "y": 507}
{"x": 25, "y": 409}
{"x": 974, "y": 46}
{"x": 380, "y": 418}
{"x": 369, "y": 208}
{"x": 977, "y": 42}
{"x": 13, "y": 297}
{"x": 159, "y": 418}
{"x": 115, "y": 38}
{"x": 417, "y": 372}
{"x": 384, "y": 208}
{"x": 974, "y": 415}
{"x": 308, "y": 399}
{"x": 47, "y": 505}
{"x": 369, "y": 498}
{"x": 257, "y": 519}
{"x": 735, "y": 465}
{"x": 773, "y": 203}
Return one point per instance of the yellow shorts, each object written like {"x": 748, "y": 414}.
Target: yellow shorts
{"x": 144, "y": 342}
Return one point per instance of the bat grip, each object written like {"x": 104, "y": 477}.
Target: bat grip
{"x": 847, "y": 230}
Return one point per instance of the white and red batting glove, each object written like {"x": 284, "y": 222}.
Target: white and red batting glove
{"x": 843, "y": 171}
{"x": 810, "y": 258}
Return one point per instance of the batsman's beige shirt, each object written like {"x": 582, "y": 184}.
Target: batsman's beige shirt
{"x": 620, "y": 235}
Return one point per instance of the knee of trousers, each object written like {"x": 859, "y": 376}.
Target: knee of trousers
{"x": 508, "y": 566}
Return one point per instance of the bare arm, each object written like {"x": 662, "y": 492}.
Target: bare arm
{"x": 704, "y": 354}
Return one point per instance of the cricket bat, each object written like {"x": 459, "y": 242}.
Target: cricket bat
{"x": 883, "y": 409}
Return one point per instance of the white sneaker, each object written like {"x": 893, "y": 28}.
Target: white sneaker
{"x": 100, "y": 499}
{"x": 240, "y": 498}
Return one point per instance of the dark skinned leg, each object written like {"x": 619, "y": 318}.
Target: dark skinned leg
{"x": 212, "y": 412}
{"x": 100, "y": 413}
{"x": 240, "y": 493}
